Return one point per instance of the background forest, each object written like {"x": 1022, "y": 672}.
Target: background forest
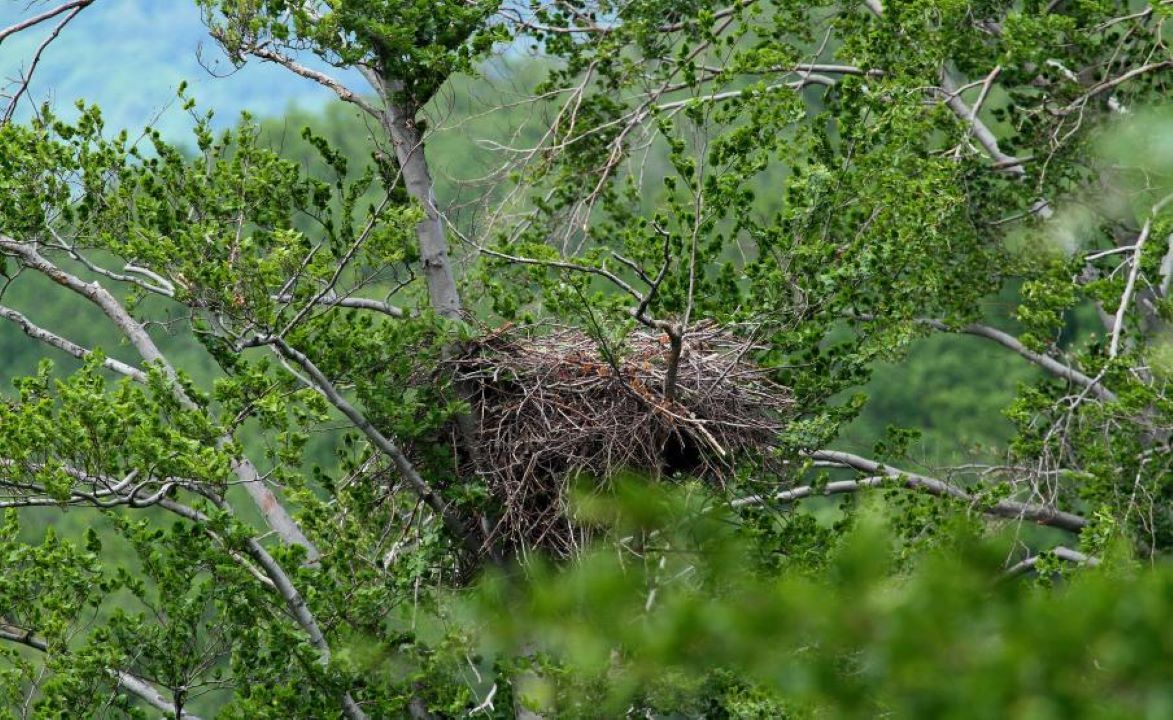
{"x": 585, "y": 359}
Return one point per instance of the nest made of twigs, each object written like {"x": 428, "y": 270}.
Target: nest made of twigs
{"x": 552, "y": 404}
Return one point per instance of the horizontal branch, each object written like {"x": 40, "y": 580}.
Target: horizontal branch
{"x": 1010, "y": 509}
{"x": 1061, "y": 552}
{"x": 358, "y": 303}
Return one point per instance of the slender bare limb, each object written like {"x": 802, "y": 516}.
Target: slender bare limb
{"x": 128, "y": 682}
{"x": 1045, "y": 362}
{"x": 1040, "y": 514}
{"x": 1129, "y": 288}
{"x": 1114, "y": 82}
{"x": 1062, "y": 552}
{"x": 384, "y": 444}
{"x": 42, "y": 335}
{"x": 343, "y": 92}
{"x": 275, "y": 513}
{"x": 27, "y": 76}
{"x": 353, "y": 302}
{"x": 47, "y": 15}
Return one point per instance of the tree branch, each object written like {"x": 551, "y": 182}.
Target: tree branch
{"x": 343, "y": 92}
{"x": 42, "y": 335}
{"x": 385, "y": 445}
{"x": 131, "y": 683}
{"x": 1045, "y": 362}
{"x": 1129, "y": 287}
{"x": 1061, "y": 552}
{"x": 274, "y": 512}
{"x": 47, "y": 15}
{"x": 1011, "y": 509}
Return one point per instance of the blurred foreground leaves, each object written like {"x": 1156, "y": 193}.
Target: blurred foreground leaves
{"x": 640, "y": 626}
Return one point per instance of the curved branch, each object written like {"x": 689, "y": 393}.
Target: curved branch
{"x": 47, "y": 15}
{"x": 344, "y": 93}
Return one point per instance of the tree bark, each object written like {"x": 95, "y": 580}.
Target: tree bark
{"x": 399, "y": 122}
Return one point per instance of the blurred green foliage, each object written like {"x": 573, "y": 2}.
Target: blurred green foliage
{"x": 679, "y": 620}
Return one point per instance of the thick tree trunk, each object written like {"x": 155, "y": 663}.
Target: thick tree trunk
{"x": 433, "y": 242}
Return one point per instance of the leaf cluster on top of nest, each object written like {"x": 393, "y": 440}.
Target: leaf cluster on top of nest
{"x": 551, "y": 404}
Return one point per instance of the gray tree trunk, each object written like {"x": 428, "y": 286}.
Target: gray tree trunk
{"x": 433, "y": 241}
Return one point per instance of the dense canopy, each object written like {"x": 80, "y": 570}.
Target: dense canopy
{"x": 527, "y": 380}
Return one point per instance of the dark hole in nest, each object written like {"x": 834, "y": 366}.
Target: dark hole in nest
{"x": 550, "y": 407}
{"x": 681, "y": 456}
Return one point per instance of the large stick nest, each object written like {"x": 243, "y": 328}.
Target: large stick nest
{"x": 553, "y": 404}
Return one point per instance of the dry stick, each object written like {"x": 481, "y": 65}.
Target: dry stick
{"x": 1003, "y": 508}
{"x": 47, "y": 15}
{"x": 131, "y": 683}
{"x": 42, "y": 335}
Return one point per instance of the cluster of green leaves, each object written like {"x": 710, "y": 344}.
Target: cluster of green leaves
{"x": 419, "y": 43}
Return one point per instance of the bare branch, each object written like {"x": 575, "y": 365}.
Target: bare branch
{"x": 384, "y": 444}
{"x": 1003, "y": 508}
{"x": 1129, "y": 287}
{"x": 1114, "y": 82}
{"x": 42, "y": 335}
{"x": 343, "y": 92}
{"x": 28, "y": 75}
{"x": 1062, "y": 552}
{"x": 979, "y": 129}
{"x": 353, "y": 302}
{"x": 47, "y": 15}
{"x": 1045, "y": 362}
{"x": 131, "y": 683}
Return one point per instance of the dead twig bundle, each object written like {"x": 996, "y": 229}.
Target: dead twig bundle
{"x": 552, "y": 405}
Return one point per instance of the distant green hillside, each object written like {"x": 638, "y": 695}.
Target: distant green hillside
{"x": 129, "y": 56}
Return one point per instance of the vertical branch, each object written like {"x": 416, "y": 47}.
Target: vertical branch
{"x": 1129, "y": 288}
{"x": 675, "y": 349}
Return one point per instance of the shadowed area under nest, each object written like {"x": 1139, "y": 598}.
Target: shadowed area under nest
{"x": 551, "y": 407}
